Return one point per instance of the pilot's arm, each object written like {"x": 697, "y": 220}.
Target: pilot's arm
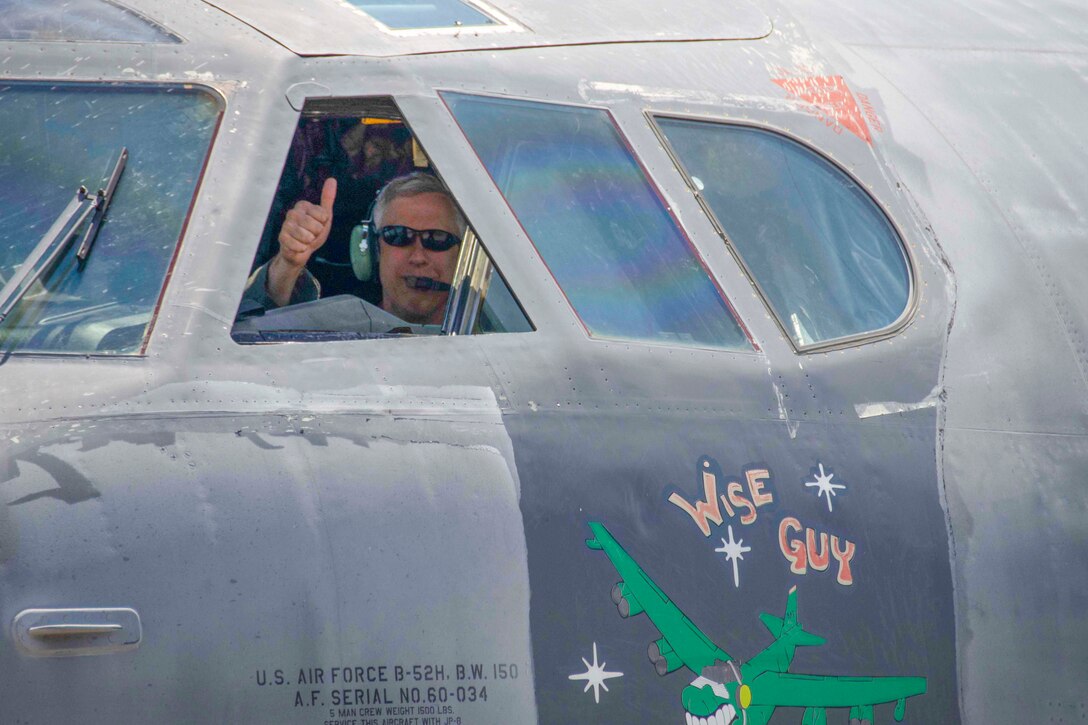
{"x": 284, "y": 279}
{"x": 306, "y": 289}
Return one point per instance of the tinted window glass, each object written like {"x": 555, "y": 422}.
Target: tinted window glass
{"x": 404, "y": 14}
{"x": 44, "y": 20}
{"x": 827, "y": 259}
{"x": 597, "y": 222}
{"x": 54, "y": 139}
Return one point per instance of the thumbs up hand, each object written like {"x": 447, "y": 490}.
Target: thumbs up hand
{"x": 305, "y": 229}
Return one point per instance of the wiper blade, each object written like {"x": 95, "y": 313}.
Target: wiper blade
{"x": 49, "y": 249}
{"x": 58, "y": 239}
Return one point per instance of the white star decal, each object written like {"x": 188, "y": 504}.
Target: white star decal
{"x": 595, "y": 675}
{"x": 823, "y": 483}
{"x": 733, "y": 552}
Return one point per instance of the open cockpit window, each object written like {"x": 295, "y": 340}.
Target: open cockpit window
{"x": 364, "y": 240}
{"x": 598, "y": 222}
{"x": 82, "y": 270}
{"x": 78, "y": 20}
{"x": 825, "y": 257}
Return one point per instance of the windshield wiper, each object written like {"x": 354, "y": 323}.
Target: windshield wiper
{"x": 102, "y": 202}
{"x": 58, "y": 239}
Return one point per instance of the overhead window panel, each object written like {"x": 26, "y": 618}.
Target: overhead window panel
{"x": 598, "y": 223}
{"x": 421, "y": 14}
{"x": 824, "y": 255}
{"x": 77, "y": 20}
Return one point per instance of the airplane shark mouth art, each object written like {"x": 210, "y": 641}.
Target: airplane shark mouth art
{"x": 722, "y": 716}
{"x": 724, "y": 689}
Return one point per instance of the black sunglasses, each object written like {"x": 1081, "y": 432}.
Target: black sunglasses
{"x": 435, "y": 240}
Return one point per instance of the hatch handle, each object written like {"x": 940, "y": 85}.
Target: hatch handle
{"x": 72, "y": 630}
{"x": 75, "y": 632}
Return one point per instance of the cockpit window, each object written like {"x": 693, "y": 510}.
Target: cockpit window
{"x": 823, "y": 254}
{"x": 72, "y": 20}
{"x": 420, "y": 14}
{"x": 597, "y": 222}
{"x": 364, "y": 240}
{"x": 57, "y": 138}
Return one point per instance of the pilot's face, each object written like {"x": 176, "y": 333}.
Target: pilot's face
{"x": 401, "y": 266}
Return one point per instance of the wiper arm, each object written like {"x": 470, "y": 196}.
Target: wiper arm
{"x": 102, "y": 202}
{"x": 58, "y": 239}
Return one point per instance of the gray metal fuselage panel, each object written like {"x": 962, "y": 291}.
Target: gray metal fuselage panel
{"x": 272, "y": 510}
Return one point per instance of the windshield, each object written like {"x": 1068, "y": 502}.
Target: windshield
{"x": 56, "y": 138}
{"x": 599, "y": 224}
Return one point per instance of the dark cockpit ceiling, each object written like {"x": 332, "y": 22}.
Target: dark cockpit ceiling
{"x": 355, "y": 27}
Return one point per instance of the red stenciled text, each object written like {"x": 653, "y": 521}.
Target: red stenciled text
{"x": 806, "y": 548}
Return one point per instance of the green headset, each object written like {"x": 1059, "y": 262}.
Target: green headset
{"x": 363, "y": 247}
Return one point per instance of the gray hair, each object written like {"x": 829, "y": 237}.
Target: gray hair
{"x": 413, "y": 184}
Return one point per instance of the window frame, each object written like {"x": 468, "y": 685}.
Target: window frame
{"x": 466, "y": 301}
{"x": 753, "y": 343}
{"x": 838, "y": 343}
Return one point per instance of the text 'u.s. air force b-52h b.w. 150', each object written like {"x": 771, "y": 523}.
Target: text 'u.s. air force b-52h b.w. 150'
{"x": 472, "y": 362}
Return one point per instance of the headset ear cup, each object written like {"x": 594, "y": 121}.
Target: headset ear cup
{"x": 363, "y": 249}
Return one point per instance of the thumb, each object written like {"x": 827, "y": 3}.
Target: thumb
{"x": 328, "y": 194}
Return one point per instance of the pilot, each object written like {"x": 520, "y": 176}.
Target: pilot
{"x": 418, "y": 227}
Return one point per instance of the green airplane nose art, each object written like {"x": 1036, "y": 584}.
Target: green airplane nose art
{"x": 761, "y": 684}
